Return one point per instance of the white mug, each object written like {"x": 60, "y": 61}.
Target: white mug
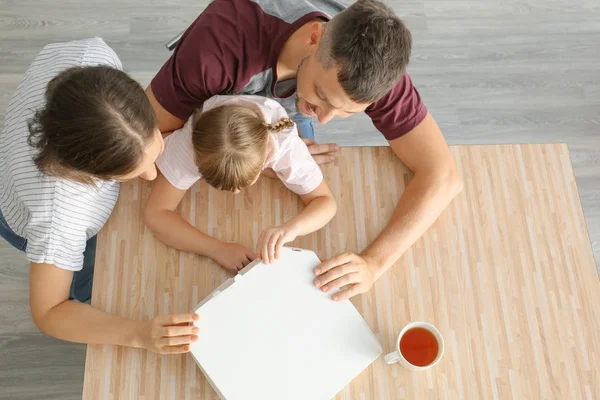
{"x": 397, "y": 356}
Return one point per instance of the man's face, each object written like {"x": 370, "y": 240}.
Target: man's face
{"x": 320, "y": 94}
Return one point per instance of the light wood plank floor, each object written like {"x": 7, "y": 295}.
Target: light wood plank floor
{"x": 490, "y": 71}
{"x": 510, "y": 289}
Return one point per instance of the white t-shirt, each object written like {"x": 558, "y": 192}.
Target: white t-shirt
{"x": 56, "y": 216}
{"x": 290, "y": 160}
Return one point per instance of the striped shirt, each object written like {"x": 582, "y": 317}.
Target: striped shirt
{"x": 56, "y": 216}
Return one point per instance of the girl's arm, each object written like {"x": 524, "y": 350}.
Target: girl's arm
{"x": 173, "y": 230}
{"x": 320, "y": 208}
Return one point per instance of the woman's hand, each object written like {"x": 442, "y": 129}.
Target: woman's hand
{"x": 272, "y": 240}
{"x": 168, "y": 334}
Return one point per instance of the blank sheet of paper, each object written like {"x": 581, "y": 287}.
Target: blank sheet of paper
{"x": 270, "y": 334}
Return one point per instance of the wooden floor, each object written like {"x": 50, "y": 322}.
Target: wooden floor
{"x": 506, "y": 274}
{"x": 490, "y": 71}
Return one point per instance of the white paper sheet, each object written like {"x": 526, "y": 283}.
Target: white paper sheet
{"x": 270, "y": 334}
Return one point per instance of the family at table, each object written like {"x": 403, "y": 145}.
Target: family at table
{"x": 236, "y": 100}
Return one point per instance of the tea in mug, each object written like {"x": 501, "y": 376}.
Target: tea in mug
{"x": 419, "y": 347}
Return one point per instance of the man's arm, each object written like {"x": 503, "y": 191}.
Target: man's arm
{"x": 435, "y": 183}
{"x": 57, "y": 316}
{"x": 167, "y": 122}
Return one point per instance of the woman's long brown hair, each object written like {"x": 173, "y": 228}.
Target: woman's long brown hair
{"x": 96, "y": 123}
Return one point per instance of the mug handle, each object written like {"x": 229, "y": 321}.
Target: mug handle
{"x": 392, "y": 357}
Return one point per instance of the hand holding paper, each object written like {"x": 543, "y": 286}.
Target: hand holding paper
{"x": 168, "y": 334}
{"x": 232, "y": 256}
{"x": 355, "y": 272}
{"x": 272, "y": 240}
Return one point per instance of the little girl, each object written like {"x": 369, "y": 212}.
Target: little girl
{"x": 229, "y": 143}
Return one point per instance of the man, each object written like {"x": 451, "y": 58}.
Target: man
{"x": 320, "y": 59}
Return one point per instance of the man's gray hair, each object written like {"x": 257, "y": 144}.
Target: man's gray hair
{"x": 370, "y": 46}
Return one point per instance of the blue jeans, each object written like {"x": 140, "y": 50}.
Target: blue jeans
{"x": 305, "y": 125}
{"x": 81, "y": 286}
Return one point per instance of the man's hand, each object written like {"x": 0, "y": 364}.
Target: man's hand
{"x": 168, "y": 334}
{"x": 357, "y": 273}
{"x": 269, "y": 173}
{"x": 232, "y": 256}
{"x": 322, "y": 153}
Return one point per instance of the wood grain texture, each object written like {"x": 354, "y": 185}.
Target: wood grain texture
{"x": 491, "y": 72}
{"x": 532, "y": 59}
{"x": 506, "y": 274}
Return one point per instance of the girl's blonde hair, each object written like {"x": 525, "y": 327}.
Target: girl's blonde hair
{"x": 230, "y": 145}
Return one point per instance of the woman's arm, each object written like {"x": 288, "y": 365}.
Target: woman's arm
{"x": 175, "y": 231}
{"x": 57, "y": 316}
{"x": 320, "y": 209}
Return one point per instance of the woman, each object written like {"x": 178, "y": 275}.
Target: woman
{"x": 76, "y": 127}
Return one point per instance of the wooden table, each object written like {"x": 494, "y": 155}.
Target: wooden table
{"x": 506, "y": 274}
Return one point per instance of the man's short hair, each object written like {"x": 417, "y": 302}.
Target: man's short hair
{"x": 370, "y": 46}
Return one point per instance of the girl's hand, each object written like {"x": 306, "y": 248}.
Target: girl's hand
{"x": 233, "y": 257}
{"x": 168, "y": 334}
{"x": 272, "y": 240}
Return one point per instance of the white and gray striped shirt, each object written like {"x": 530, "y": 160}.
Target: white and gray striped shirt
{"x": 56, "y": 216}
